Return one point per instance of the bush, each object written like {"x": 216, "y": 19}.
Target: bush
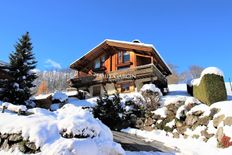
{"x": 152, "y": 96}
{"x": 211, "y": 89}
{"x": 117, "y": 116}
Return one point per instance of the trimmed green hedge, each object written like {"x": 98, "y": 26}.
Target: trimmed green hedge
{"x": 211, "y": 89}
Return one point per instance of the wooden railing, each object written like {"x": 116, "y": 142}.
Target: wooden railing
{"x": 149, "y": 70}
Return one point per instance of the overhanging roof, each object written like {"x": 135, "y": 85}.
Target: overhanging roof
{"x": 111, "y": 46}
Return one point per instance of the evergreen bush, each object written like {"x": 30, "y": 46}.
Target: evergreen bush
{"x": 117, "y": 116}
{"x": 211, "y": 89}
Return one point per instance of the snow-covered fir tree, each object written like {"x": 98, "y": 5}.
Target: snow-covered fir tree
{"x": 22, "y": 62}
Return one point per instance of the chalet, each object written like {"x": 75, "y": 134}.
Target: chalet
{"x": 119, "y": 66}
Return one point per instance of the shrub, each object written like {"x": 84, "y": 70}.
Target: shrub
{"x": 109, "y": 111}
{"x": 116, "y": 115}
{"x": 151, "y": 95}
{"x": 211, "y": 89}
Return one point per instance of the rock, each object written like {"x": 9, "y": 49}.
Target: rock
{"x": 15, "y": 137}
{"x": 148, "y": 128}
{"x": 206, "y": 134}
{"x": 213, "y": 111}
{"x": 228, "y": 121}
{"x": 219, "y": 134}
{"x": 179, "y": 124}
{"x": 139, "y": 124}
{"x": 203, "y": 121}
{"x": 176, "y": 135}
{"x": 218, "y": 120}
{"x": 198, "y": 113}
{"x": 31, "y": 145}
{"x": 4, "y": 136}
{"x": 190, "y": 120}
{"x": 5, "y": 145}
{"x": 195, "y": 136}
{"x": 22, "y": 147}
{"x": 182, "y": 129}
{"x": 149, "y": 121}
{"x": 190, "y": 106}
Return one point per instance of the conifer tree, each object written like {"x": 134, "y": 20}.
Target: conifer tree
{"x": 22, "y": 62}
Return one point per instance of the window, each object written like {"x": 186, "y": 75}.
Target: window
{"x": 125, "y": 87}
{"x": 126, "y": 57}
{"x": 96, "y": 90}
{"x": 123, "y": 57}
{"x": 99, "y": 62}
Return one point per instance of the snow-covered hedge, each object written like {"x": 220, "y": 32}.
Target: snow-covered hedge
{"x": 211, "y": 89}
{"x": 69, "y": 130}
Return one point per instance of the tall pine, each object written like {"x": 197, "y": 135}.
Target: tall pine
{"x": 22, "y": 62}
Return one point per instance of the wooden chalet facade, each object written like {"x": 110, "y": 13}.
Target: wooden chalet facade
{"x": 118, "y": 66}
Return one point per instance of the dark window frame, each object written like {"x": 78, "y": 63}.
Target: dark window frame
{"x": 121, "y": 57}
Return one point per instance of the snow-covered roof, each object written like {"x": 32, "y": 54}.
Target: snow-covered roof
{"x": 135, "y": 45}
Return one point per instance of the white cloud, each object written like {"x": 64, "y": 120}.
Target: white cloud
{"x": 52, "y": 64}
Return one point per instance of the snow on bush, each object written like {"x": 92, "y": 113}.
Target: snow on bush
{"x": 46, "y": 130}
{"x": 151, "y": 87}
{"x": 209, "y": 70}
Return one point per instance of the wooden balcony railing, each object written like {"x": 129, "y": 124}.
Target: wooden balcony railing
{"x": 149, "y": 70}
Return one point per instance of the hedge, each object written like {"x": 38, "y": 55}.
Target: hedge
{"x": 211, "y": 89}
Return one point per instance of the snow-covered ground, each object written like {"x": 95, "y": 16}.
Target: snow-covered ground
{"x": 44, "y": 128}
{"x": 53, "y": 132}
{"x": 189, "y": 146}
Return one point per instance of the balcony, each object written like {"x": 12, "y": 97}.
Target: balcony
{"x": 145, "y": 71}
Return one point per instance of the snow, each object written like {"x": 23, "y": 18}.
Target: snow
{"x": 59, "y": 96}
{"x": 210, "y": 128}
{"x": 55, "y": 107}
{"x": 225, "y": 108}
{"x": 209, "y": 70}
{"x": 171, "y": 124}
{"x": 83, "y": 103}
{"x": 148, "y": 153}
{"x": 150, "y": 87}
{"x": 202, "y": 107}
{"x": 41, "y": 97}
{"x": 44, "y": 128}
{"x": 227, "y": 130}
{"x": 197, "y": 131}
{"x": 71, "y": 93}
{"x": 189, "y": 146}
{"x": 161, "y": 112}
{"x": 180, "y": 111}
{"x": 15, "y": 108}
{"x": 212, "y": 70}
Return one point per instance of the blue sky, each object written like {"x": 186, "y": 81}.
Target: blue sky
{"x": 185, "y": 32}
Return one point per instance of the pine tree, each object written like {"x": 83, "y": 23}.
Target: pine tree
{"x": 22, "y": 62}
